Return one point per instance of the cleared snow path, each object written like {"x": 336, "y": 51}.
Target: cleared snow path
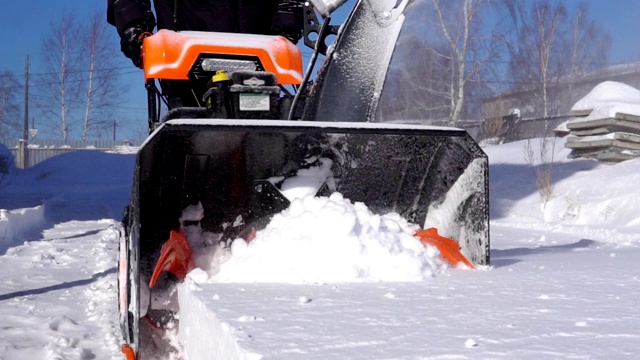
{"x": 549, "y": 295}
{"x": 58, "y": 294}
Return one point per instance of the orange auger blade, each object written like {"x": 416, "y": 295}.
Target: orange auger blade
{"x": 175, "y": 257}
{"x": 449, "y": 248}
{"x": 128, "y": 352}
{"x": 252, "y": 235}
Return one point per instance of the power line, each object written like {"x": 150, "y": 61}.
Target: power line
{"x": 73, "y": 81}
{"x": 83, "y": 102}
{"x": 305, "y": 55}
{"x": 77, "y": 71}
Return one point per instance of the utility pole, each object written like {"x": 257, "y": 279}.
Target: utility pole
{"x": 25, "y": 132}
{"x": 24, "y": 143}
{"x": 114, "y": 130}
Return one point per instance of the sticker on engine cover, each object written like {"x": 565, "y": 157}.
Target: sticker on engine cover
{"x": 254, "y": 102}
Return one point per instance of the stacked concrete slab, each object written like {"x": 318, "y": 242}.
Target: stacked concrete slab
{"x": 606, "y": 124}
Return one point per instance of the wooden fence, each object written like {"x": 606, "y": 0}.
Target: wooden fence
{"x": 27, "y": 155}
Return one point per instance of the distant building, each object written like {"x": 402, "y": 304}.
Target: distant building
{"x": 563, "y": 93}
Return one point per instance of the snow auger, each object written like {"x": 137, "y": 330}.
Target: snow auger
{"x": 256, "y": 123}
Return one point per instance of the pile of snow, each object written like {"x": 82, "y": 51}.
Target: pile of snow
{"x": 606, "y": 100}
{"x": 605, "y": 126}
{"x": 589, "y": 199}
{"x": 79, "y": 185}
{"x": 15, "y": 224}
{"x": 125, "y": 149}
{"x": 330, "y": 240}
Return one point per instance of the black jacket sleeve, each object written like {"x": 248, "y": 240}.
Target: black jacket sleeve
{"x": 123, "y": 13}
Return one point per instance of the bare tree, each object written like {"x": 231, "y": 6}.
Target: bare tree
{"x": 588, "y": 46}
{"x": 102, "y": 89}
{"x": 442, "y": 53}
{"x": 60, "y": 86}
{"x": 460, "y": 31}
{"x": 550, "y": 47}
{"x": 10, "y": 120}
{"x": 535, "y": 47}
{"x": 547, "y": 19}
{"x": 416, "y": 86}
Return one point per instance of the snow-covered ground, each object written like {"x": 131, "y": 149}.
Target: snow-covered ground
{"x": 564, "y": 281}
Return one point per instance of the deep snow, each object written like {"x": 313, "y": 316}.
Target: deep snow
{"x": 564, "y": 280}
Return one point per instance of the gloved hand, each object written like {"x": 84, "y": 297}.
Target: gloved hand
{"x": 288, "y": 20}
{"x": 131, "y": 41}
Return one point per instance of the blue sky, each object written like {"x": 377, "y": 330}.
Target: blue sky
{"x": 22, "y": 26}
{"x": 621, "y": 18}
{"x": 23, "y": 22}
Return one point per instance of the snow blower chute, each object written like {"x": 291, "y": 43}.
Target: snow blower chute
{"x": 256, "y": 124}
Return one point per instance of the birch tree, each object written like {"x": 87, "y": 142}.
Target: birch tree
{"x": 60, "y": 85}
{"x": 535, "y": 46}
{"x": 101, "y": 90}
{"x": 442, "y": 53}
{"x": 587, "y": 47}
{"x": 416, "y": 86}
{"x": 550, "y": 46}
{"x": 547, "y": 19}
{"x": 461, "y": 35}
{"x": 589, "y": 44}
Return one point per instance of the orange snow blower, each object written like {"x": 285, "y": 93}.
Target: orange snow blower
{"x": 256, "y": 119}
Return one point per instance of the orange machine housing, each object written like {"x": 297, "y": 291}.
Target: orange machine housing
{"x": 170, "y": 55}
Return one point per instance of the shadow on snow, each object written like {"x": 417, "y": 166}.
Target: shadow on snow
{"x": 64, "y": 285}
{"x": 507, "y": 257}
{"x": 512, "y": 182}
